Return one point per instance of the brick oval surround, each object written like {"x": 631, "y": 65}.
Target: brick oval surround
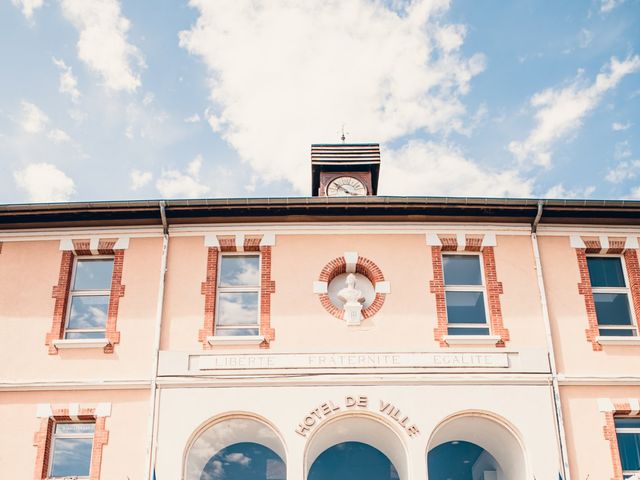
{"x": 365, "y": 267}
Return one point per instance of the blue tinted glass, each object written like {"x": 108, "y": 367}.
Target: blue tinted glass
{"x": 465, "y": 307}
{"x": 612, "y": 308}
{"x": 461, "y": 270}
{"x": 456, "y": 461}
{"x": 605, "y": 272}
{"x": 238, "y": 308}
{"x": 239, "y": 270}
{"x": 467, "y": 331}
{"x": 92, "y": 334}
{"x": 71, "y": 428}
{"x": 244, "y": 461}
{"x": 71, "y": 457}
{"x": 93, "y": 274}
{"x": 352, "y": 461}
{"x": 629, "y": 446}
{"x": 89, "y": 311}
{"x": 617, "y": 332}
{"x": 628, "y": 422}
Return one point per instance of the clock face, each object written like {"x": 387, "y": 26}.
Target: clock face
{"x": 346, "y": 187}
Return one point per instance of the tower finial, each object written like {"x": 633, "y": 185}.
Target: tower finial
{"x": 343, "y": 137}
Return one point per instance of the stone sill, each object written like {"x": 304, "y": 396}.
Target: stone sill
{"x": 235, "y": 340}
{"x": 471, "y": 339}
{"x": 618, "y": 340}
{"x": 81, "y": 343}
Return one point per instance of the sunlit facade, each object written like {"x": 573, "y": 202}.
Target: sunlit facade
{"x": 342, "y": 335}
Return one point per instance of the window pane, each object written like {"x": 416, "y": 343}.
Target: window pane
{"x": 93, "y": 274}
{"x": 617, "y": 332}
{"x": 78, "y": 428}
{"x": 89, "y": 311}
{"x": 629, "y": 446}
{"x": 239, "y": 270}
{"x": 629, "y": 422}
{"x": 465, "y": 307}
{"x": 467, "y": 331}
{"x": 461, "y": 270}
{"x": 92, "y": 334}
{"x": 71, "y": 457}
{"x": 605, "y": 272}
{"x": 237, "y": 331}
{"x": 612, "y": 308}
{"x": 238, "y": 308}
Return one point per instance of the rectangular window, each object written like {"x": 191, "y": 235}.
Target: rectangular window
{"x": 238, "y": 295}
{"x": 89, "y": 298}
{"x": 611, "y": 296}
{"x": 628, "y": 434}
{"x": 71, "y": 445}
{"x": 465, "y": 295}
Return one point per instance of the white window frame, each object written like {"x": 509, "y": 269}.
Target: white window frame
{"x": 468, "y": 288}
{"x": 625, "y": 290}
{"x": 635, "y": 430}
{"x": 237, "y": 289}
{"x": 86, "y": 293}
{"x": 55, "y": 435}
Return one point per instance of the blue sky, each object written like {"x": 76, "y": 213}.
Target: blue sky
{"x": 108, "y": 99}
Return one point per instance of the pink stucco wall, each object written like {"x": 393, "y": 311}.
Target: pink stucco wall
{"x": 28, "y": 272}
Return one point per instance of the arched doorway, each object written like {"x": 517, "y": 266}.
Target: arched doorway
{"x": 459, "y": 460}
{"x": 475, "y": 446}
{"x": 354, "y": 444}
{"x": 353, "y": 461}
{"x": 236, "y": 448}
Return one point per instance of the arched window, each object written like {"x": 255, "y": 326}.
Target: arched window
{"x": 244, "y": 461}
{"x": 353, "y": 461}
{"x": 461, "y": 460}
{"x": 236, "y": 448}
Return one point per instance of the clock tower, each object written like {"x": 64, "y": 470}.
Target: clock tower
{"x": 345, "y": 170}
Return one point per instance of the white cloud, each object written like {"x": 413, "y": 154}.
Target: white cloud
{"x": 44, "y": 183}
{"x": 103, "y": 44}
{"x": 287, "y": 74}
{"x": 559, "y": 191}
{"x": 148, "y": 99}
{"x": 239, "y": 458}
{"x": 427, "y": 168}
{"x": 195, "y": 118}
{"x": 624, "y": 170}
{"x": 28, "y": 6}
{"x": 617, "y": 126}
{"x": 585, "y": 38}
{"x": 32, "y": 120}
{"x": 68, "y": 81}
{"x": 607, "y": 5}
{"x": 559, "y": 112}
{"x": 139, "y": 179}
{"x": 175, "y": 184}
{"x": 58, "y": 136}
{"x": 635, "y": 193}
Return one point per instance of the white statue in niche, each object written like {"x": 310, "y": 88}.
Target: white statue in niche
{"x": 353, "y": 300}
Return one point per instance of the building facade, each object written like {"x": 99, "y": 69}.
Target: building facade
{"x": 443, "y": 338}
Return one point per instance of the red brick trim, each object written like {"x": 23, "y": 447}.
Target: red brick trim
{"x": 0, "y": 247}
{"x": 492, "y": 286}
{"x": 43, "y": 441}
{"x": 365, "y": 267}
{"x": 609, "y": 430}
{"x": 494, "y": 290}
{"x": 585, "y": 289}
{"x": 61, "y": 293}
{"x": 209, "y": 288}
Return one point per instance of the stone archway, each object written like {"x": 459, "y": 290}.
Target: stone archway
{"x": 364, "y": 429}
{"x": 484, "y": 441}
{"x": 234, "y": 442}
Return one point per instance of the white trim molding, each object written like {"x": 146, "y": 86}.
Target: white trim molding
{"x": 618, "y": 340}
{"x": 235, "y": 340}
{"x": 471, "y": 339}
{"x": 81, "y": 343}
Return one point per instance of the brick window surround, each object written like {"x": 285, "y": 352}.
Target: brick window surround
{"x": 615, "y": 246}
{"x": 43, "y": 440}
{"x": 363, "y": 266}
{"x": 620, "y": 408}
{"x": 472, "y": 243}
{"x": 226, "y": 243}
{"x": 62, "y": 289}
